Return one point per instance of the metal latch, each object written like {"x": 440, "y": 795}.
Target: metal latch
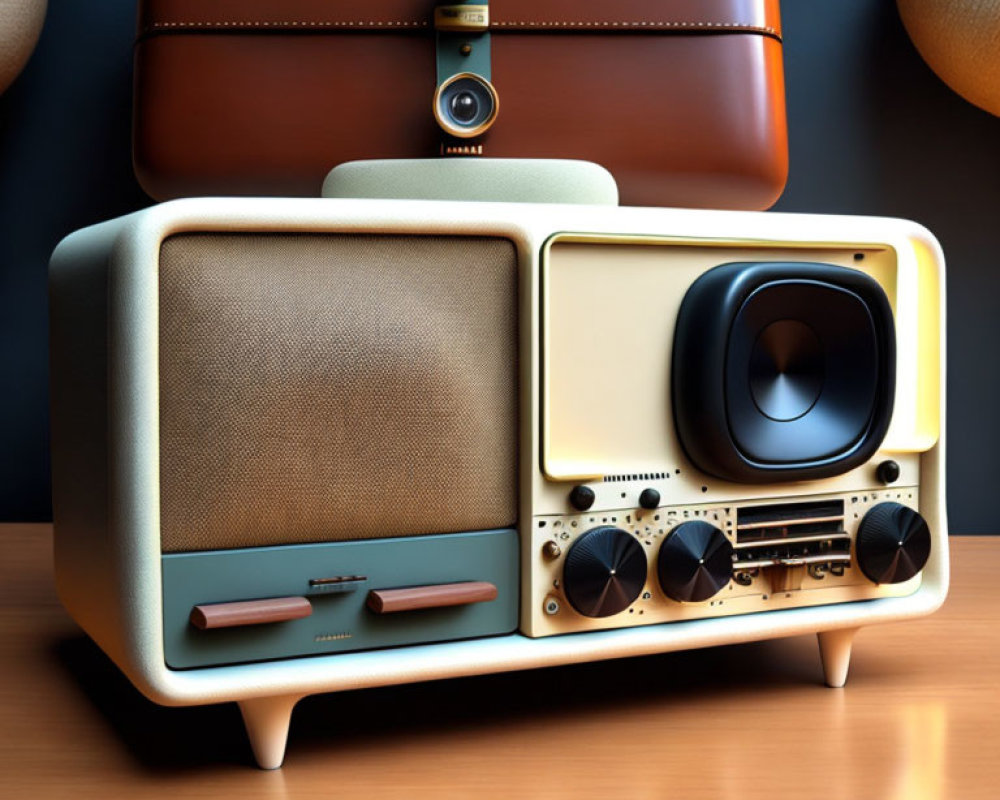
{"x": 462, "y": 18}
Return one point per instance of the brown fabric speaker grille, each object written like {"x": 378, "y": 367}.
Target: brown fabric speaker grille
{"x": 333, "y": 387}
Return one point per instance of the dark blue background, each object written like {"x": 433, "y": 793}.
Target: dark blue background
{"x": 871, "y": 129}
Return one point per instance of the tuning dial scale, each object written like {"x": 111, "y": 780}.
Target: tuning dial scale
{"x": 641, "y": 566}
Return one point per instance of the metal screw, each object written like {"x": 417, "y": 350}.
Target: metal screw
{"x": 551, "y": 606}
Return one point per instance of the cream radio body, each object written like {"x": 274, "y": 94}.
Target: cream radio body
{"x": 303, "y": 446}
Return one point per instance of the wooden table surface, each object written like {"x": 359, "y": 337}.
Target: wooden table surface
{"x": 920, "y": 717}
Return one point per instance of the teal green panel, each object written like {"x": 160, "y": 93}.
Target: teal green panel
{"x": 450, "y": 60}
{"x": 340, "y": 621}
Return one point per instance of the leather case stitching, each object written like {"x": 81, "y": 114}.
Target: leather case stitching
{"x": 289, "y": 24}
{"x": 506, "y": 24}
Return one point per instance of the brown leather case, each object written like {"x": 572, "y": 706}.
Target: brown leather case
{"x": 682, "y": 100}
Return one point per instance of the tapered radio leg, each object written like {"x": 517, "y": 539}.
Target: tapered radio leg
{"x": 835, "y": 651}
{"x": 267, "y": 720}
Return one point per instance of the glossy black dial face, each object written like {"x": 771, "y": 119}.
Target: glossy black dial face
{"x": 893, "y": 543}
{"x": 605, "y": 571}
{"x": 695, "y": 562}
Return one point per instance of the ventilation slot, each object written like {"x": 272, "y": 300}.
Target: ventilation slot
{"x": 792, "y": 534}
{"x": 639, "y": 476}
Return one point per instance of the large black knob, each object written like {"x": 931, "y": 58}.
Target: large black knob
{"x": 605, "y": 571}
{"x": 893, "y": 543}
{"x": 695, "y": 562}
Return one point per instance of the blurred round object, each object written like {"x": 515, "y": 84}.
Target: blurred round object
{"x": 960, "y": 41}
{"x": 20, "y": 24}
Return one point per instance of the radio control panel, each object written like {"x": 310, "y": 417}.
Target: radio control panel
{"x": 642, "y": 566}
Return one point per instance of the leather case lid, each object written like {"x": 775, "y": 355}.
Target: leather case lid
{"x": 681, "y": 100}
{"x": 639, "y": 16}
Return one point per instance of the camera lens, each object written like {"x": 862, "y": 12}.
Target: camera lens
{"x": 464, "y": 107}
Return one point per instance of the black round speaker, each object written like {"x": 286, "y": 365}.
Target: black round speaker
{"x": 782, "y": 371}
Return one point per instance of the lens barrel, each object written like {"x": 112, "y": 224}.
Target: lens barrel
{"x": 466, "y": 105}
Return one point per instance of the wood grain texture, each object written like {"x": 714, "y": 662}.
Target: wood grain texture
{"x": 919, "y": 718}
{"x": 414, "y": 598}
{"x": 250, "y": 612}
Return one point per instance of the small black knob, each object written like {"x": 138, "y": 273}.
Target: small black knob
{"x": 605, "y": 571}
{"x": 893, "y": 543}
{"x": 887, "y": 472}
{"x": 582, "y": 497}
{"x": 695, "y": 562}
{"x": 650, "y": 498}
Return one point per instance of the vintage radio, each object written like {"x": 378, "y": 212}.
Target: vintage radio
{"x": 310, "y": 445}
